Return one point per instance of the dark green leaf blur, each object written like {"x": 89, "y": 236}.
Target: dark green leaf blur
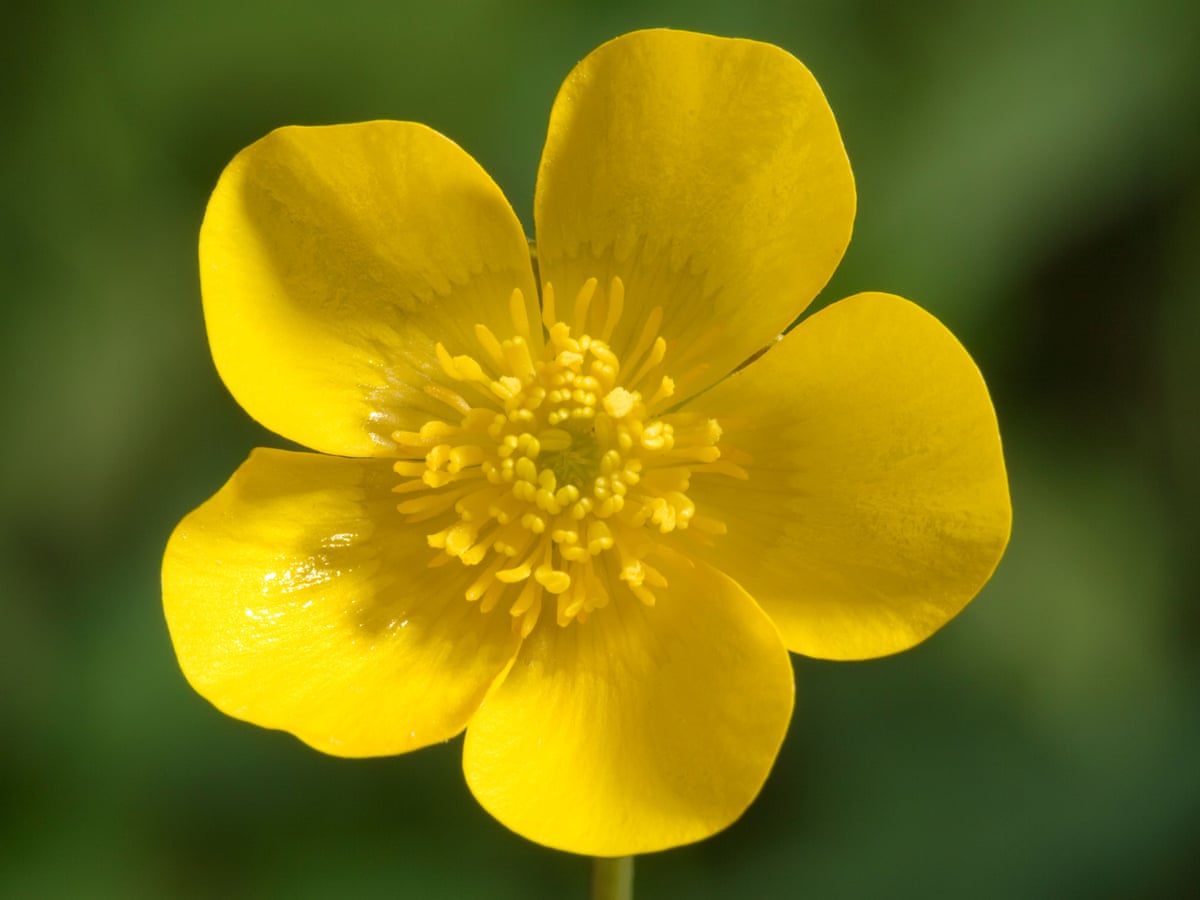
{"x": 1027, "y": 171}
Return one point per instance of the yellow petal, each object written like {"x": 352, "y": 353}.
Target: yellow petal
{"x": 297, "y": 600}
{"x": 707, "y": 173}
{"x": 639, "y": 729}
{"x": 333, "y": 259}
{"x": 877, "y": 503}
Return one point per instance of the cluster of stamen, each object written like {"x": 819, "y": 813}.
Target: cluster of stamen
{"x": 558, "y": 474}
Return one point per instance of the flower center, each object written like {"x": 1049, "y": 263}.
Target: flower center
{"x": 558, "y": 477}
{"x": 578, "y": 460}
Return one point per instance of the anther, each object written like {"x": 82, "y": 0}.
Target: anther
{"x": 560, "y": 474}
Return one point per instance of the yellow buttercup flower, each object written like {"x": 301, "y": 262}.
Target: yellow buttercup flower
{"x": 549, "y": 514}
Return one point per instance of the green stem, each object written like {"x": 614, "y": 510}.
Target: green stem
{"x": 612, "y": 878}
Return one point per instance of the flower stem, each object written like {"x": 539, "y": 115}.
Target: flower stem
{"x": 612, "y": 878}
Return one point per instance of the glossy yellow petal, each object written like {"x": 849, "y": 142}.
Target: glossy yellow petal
{"x": 298, "y": 600}
{"x": 877, "y": 503}
{"x": 333, "y": 259}
{"x": 639, "y": 729}
{"x": 709, "y": 175}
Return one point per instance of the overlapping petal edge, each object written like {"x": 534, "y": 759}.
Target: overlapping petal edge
{"x": 708, "y": 175}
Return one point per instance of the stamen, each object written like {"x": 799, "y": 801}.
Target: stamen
{"x": 657, "y": 352}
{"x": 516, "y": 355}
{"x": 490, "y": 345}
{"x": 616, "y": 302}
{"x": 560, "y": 481}
{"x": 582, "y": 301}
{"x": 647, "y": 336}
{"x": 449, "y": 397}
{"x": 666, "y": 388}
{"x": 520, "y": 317}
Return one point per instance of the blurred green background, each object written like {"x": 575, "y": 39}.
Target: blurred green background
{"x": 1027, "y": 171}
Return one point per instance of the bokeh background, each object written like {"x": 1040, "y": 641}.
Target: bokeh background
{"x": 1026, "y": 170}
